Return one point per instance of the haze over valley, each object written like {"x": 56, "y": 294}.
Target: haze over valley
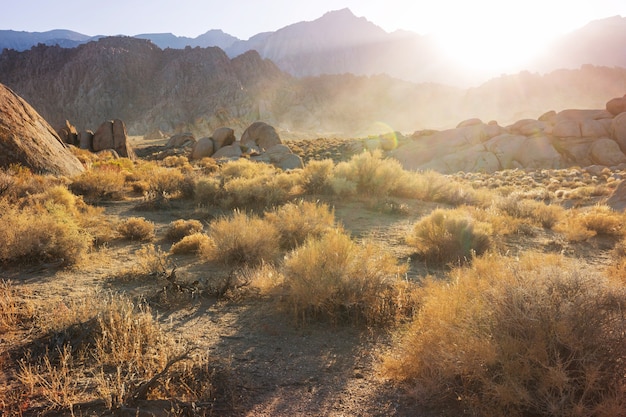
{"x": 338, "y": 75}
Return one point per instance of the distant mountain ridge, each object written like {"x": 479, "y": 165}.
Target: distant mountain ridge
{"x": 201, "y": 89}
{"x": 340, "y": 42}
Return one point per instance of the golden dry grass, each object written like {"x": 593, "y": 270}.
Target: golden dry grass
{"x": 296, "y": 222}
{"x": 180, "y": 228}
{"x": 242, "y": 239}
{"x": 334, "y": 278}
{"x": 449, "y": 236}
{"x": 536, "y": 336}
{"x": 136, "y": 228}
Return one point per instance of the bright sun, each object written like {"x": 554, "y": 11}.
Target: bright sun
{"x": 487, "y": 49}
{"x": 492, "y": 35}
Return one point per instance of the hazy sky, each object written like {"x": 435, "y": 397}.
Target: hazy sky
{"x": 464, "y": 27}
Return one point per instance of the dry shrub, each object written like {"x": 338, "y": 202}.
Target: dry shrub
{"x": 258, "y": 192}
{"x": 371, "y": 173}
{"x": 35, "y": 234}
{"x": 343, "y": 187}
{"x": 15, "y": 309}
{"x": 208, "y": 191}
{"x": 128, "y": 338}
{"x": 55, "y": 378}
{"x": 166, "y": 181}
{"x": 194, "y": 243}
{"x": 249, "y": 185}
{"x": 532, "y": 337}
{"x": 540, "y": 213}
{"x": 333, "y": 278}
{"x": 207, "y": 165}
{"x": 18, "y": 183}
{"x": 105, "y": 182}
{"x": 582, "y": 224}
{"x": 616, "y": 270}
{"x": 297, "y": 221}
{"x": 449, "y": 235}
{"x": 266, "y": 278}
{"x": 180, "y": 228}
{"x": 176, "y": 161}
{"x": 433, "y": 186}
{"x": 317, "y": 175}
{"x": 242, "y": 239}
{"x": 136, "y": 228}
{"x": 104, "y": 347}
{"x": 245, "y": 168}
{"x": 150, "y": 262}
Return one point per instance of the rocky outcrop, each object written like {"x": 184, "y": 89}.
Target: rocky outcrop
{"x": 260, "y": 135}
{"x": 279, "y": 155}
{"x": 223, "y": 136}
{"x": 112, "y": 135}
{"x": 203, "y": 148}
{"x": 27, "y": 139}
{"x": 68, "y": 133}
{"x": 555, "y": 140}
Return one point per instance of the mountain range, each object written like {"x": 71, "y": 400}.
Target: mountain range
{"x": 339, "y": 42}
{"x": 338, "y": 75}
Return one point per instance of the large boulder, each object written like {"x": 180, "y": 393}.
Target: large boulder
{"x": 606, "y": 152}
{"x": 290, "y": 161}
{"x": 260, "y": 134}
{"x": 230, "y": 151}
{"x": 505, "y": 148}
{"x": 616, "y": 106}
{"x": 112, "y": 135}
{"x": 85, "y": 140}
{"x": 529, "y": 127}
{"x": 538, "y": 152}
{"x": 27, "y": 139}
{"x": 223, "y": 136}
{"x": 617, "y": 200}
{"x": 618, "y": 130}
{"x": 204, "y": 147}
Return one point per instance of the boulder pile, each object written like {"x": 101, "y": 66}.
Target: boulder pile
{"x": 554, "y": 140}
{"x": 259, "y": 142}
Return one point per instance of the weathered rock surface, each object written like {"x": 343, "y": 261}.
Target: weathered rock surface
{"x": 181, "y": 139}
{"x": 230, "y": 151}
{"x": 223, "y": 136}
{"x": 617, "y": 200}
{"x": 68, "y": 133}
{"x": 202, "y": 148}
{"x": 616, "y": 106}
{"x": 579, "y": 137}
{"x": 27, "y": 139}
{"x": 260, "y": 134}
{"x": 112, "y": 135}
{"x": 85, "y": 140}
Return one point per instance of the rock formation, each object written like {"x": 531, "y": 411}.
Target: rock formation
{"x": 555, "y": 140}
{"x": 223, "y": 145}
{"x": 68, "y": 133}
{"x": 204, "y": 147}
{"x": 27, "y": 139}
{"x": 261, "y": 135}
{"x": 181, "y": 139}
{"x": 112, "y": 135}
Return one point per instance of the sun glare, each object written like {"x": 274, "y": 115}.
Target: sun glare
{"x": 489, "y": 47}
{"x": 492, "y": 35}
